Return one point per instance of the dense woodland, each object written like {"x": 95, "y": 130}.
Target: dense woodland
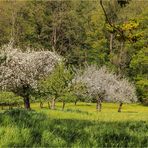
{"x": 84, "y": 33}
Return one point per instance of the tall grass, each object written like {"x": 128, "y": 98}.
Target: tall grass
{"x": 20, "y": 128}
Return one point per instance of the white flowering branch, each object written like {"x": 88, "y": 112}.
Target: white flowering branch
{"x": 104, "y": 84}
{"x": 20, "y": 71}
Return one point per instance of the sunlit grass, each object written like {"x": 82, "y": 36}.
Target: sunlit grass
{"x": 87, "y": 111}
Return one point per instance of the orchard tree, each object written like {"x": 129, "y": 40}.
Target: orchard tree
{"x": 123, "y": 92}
{"x": 97, "y": 82}
{"x": 104, "y": 84}
{"x": 57, "y": 85}
{"x": 73, "y": 93}
{"x": 80, "y": 92}
{"x": 20, "y": 71}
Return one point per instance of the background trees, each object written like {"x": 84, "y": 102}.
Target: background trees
{"x": 79, "y": 31}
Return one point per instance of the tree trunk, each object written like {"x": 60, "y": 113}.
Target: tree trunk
{"x": 111, "y": 43}
{"x": 54, "y": 39}
{"x": 53, "y": 104}
{"x": 120, "y": 61}
{"x": 10, "y": 106}
{"x": 63, "y": 105}
{"x": 41, "y": 104}
{"x": 2, "y": 107}
{"x": 49, "y": 105}
{"x": 75, "y": 102}
{"x": 99, "y": 105}
{"x": 120, "y": 107}
{"x": 27, "y": 102}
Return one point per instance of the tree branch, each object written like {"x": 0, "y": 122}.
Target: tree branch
{"x": 109, "y": 22}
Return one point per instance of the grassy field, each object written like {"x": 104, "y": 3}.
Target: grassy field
{"x": 76, "y": 126}
{"x": 87, "y": 111}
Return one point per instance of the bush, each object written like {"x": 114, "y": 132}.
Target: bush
{"x": 9, "y": 99}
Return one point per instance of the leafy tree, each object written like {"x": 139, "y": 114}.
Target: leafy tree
{"x": 122, "y": 31}
{"x": 57, "y": 85}
{"x": 9, "y": 20}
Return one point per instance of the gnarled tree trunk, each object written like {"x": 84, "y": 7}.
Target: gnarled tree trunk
{"x": 63, "y": 106}
{"x": 111, "y": 43}
{"x": 10, "y": 106}
{"x": 49, "y": 105}
{"x": 120, "y": 107}
{"x": 2, "y": 107}
{"x": 27, "y": 102}
{"x": 75, "y": 102}
{"x": 53, "y": 103}
{"x": 41, "y": 104}
{"x": 99, "y": 104}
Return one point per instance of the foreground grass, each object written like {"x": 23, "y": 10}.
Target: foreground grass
{"x": 77, "y": 126}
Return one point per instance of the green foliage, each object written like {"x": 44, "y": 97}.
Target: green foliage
{"x": 58, "y": 83}
{"x": 139, "y": 65}
{"x": 142, "y": 89}
{"x": 9, "y": 98}
{"x": 139, "y": 62}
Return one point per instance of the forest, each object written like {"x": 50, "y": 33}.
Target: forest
{"x": 73, "y": 73}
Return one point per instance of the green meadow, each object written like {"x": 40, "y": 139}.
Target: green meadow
{"x": 76, "y": 126}
{"x": 87, "y": 111}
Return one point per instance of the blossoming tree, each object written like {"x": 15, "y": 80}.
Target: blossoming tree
{"x": 122, "y": 92}
{"x": 20, "y": 71}
{"x": 103, "y": 84}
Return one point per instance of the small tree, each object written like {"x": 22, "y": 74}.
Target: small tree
{"x": 57, "y": 85}
{"x": 20, "y": 71}
{"x": 78, "y": 89}
{"x": 101, "y": 84}
{"x": 122, "y": 92}
{"x": 67, "y": 97}
{"x": 96, "y": 81}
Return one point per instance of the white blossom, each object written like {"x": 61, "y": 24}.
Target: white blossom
{"x": 101, "y": 81}
{"x": 24, "y": 68}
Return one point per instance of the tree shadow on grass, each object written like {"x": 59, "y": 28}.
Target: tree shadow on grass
{"x": 81, "y": 104}
{"x": 129, "y": 112}
{"x": 45, "y": 131}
